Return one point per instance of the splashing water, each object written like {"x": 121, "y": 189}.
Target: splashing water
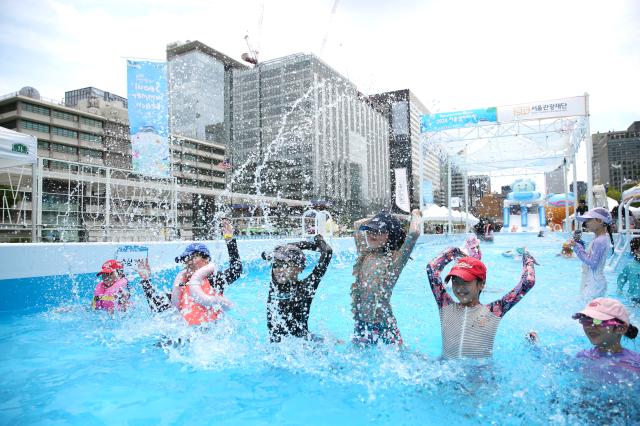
{"x": 61, "y": 361}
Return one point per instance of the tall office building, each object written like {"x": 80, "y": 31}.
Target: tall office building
{"x": 303, "y": 131}
{"x": 478, "y": 186}
{"x": 200, "y": 80}
{"x": 616, "y": 156}
{"x": 554, "y": 181}
{"x": 403, "y": 110}
{"x": 92, "y": 95}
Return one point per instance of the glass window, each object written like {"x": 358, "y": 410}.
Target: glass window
{"x": 35, "y": 108}
{"x": 65, "y": 115}
{"x": 64, "y": 132}
{"x": 91, "y": 122}
{"x": 38, "y": 127}
{"x": 91, "y": 138}
{"x": 91, "y": 153}
{"x": 43, "y": 145}
{"x": 64, "y": 148}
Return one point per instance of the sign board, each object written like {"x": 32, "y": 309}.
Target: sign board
{"x": 402, "y": 190}
{"x": 554, "y": 108}
{"x": 149, "y": 117}
{"x": 457, "y": 119}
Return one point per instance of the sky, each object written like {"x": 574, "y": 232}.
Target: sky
{"x": 454, "y": 55}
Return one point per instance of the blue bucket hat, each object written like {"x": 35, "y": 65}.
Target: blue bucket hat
{"x": 193, "y": 248}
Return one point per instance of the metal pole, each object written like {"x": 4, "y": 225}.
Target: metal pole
{"x": 449, "y": 195}
{"x": 589, "y": 146}
{"x": 575, "y": 189}
{"x": 39, "y": 196}
{"x": 565, "y": 226}
{"x": 466, "y": 200}
{"x": 421, "y": 171}
{"x": 34, "y": 200}
{"x": 107, "y": 204}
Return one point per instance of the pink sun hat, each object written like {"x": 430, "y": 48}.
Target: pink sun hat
{"x": 605, "y": 308}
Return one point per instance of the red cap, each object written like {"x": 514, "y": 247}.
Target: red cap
{"x": 110, "y": 266}
{"x": 468, "y": 268}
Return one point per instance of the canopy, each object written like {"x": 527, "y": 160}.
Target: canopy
{"x": 17, "y": 149}
{"x": 529, "y": 138}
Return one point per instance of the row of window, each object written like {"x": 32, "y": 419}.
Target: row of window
{"x": 194, "y": 182}
{"x": 69, "y": 149}
{"x": 37, "y": 109}
{"x": 202, "y": 148}
{"x": 64, "y": 132}
{"x": 206, "y": 172}
{"x": 45, "y": 128}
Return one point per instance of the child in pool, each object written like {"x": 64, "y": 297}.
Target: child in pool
{"x": 469, "y": 327}
{"x": 630, "y": 275}
{"x": 472, "y": 247}
{"x": 112, "y": 293}
{"x": 383, "y": 250}
{"x": 198, "y": 289}
{"x": 290, "y": 298}
{"x": 594, "y": 283}
{"x": 605, "y": 321}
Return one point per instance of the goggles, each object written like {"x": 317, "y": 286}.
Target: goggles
{"x": 284, "y": 264}
{"x": 593, "y": 322}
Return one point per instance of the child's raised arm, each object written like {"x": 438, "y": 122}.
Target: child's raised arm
{"x": 409, "y": 242}
{"x": 326, "y": 252}
{"x": 434, "y": 269}
{"x": 527, "y": 280}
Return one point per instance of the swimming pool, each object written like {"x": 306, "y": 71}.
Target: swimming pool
{"x": 61, "y": 363}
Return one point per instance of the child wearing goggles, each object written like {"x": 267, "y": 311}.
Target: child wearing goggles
{"x": 289, "y": 301}
{"x": 605, "y": 321}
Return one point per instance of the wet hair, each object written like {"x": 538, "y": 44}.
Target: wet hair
{"x": 634, "y": 244}
{"x": 632, "y": 332}
{"x": 613, "y": 245}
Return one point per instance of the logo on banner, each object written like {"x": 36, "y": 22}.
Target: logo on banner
{"x": 20, "y": 148}
{"x": 538, "y": 110}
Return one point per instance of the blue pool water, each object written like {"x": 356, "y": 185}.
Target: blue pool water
{"x": 63, "y": 364}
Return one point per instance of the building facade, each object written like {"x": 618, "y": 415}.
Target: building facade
{"x": 85, "y": 156}
{"x": 303, "y": 131}
{"x": 616, "y": 156}
{"x": 92, "y": 96}
{"x": 554, "y": 181}
{"x": 403, "y": 110}
{"x": 200, "y": 89}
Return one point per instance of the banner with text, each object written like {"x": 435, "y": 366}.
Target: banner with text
{"x": 456, "y": 119}
{"x": 547, "y": 109}
{"x": 402, "y": 190}
{"x": 148, "y": 117}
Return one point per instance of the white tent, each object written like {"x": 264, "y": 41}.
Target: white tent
{"x": 17, "y": 149}
{"x": 435, "y": 213}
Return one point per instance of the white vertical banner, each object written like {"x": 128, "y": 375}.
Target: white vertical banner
{"x": 402, "y": 190}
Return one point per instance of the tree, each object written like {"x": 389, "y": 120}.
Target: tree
{"x": 614, "y": 193}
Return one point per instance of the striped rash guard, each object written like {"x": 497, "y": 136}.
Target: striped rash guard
{"x": 469, "y": 332}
